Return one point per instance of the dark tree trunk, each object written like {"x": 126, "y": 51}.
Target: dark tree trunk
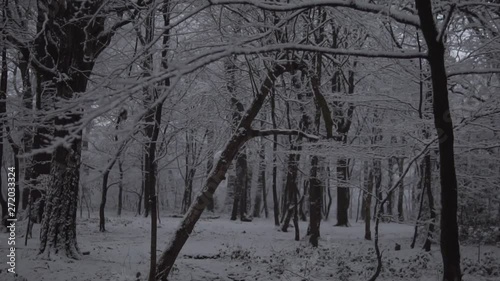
{"x": 420, "y": 185}
{"x": 210, "y": 164}
{"x": 430, "y": 198}
{"x": 240, "y": 183}
{"x": 78, "y": 46}
{"x": 275, "y": 168}
{"x": 231, "y": 187}
{"x": 390, "y": 182}
{"x": 450, "y": 248}
{"x": 260, "y": 195}
{"x": 315, "y": 198}
{"x": 367, "y": 198}
{"x": 290, "y": 188}
{"x": 102, "y": 206}
{"x": 401, "y": 192}
{"x": 246, "y": 197}
{"x": 377, "y": 177}
{"x": 343, "y": 195}
{"x": 3, "y": 115}
{"x": 120, "y": 187}
{"x": 153, "y": 130}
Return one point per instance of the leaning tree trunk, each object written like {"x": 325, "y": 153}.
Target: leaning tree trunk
{"x": 450, "y": 247}
{"x": 237, "y": 140}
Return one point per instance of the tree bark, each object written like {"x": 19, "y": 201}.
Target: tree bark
{"x": 390, "y": 180}
{"x": 275, "y": 168}
{"x": 120, "y": 187}
{"x": 450, "y": 248}
{"x": 315, "y": 198}
{"x": 343, "y": 195}
{"x": 78, "y": 46}
{"x": 3, "y": 115}
{"x": 367, "y": 198}
{"x": 401, "y": 190}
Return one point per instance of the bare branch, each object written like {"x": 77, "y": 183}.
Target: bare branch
{"x": 396, "y": 15}
{"x": 270, "y": 132}
{"x": 473, "y": 71}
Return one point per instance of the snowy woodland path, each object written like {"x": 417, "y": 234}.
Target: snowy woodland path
{"x": 220, "y": 249}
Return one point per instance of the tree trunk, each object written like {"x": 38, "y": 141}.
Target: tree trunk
{"x": 390, "y": 180}
{"x": 77, "y": 49}
{"x": 450, "y": 248}
{"x": 104, "y": 192}
{"x": 120, "y": 187}
{"x": 58, "y": 230}
{"x": 276, "y": 208}
{"x": 401, "y": 192}
{"x": 3, "y": 114}
{"x": 246, "y": 198}
{"x": 260, "y": 195}
{"x": 343, "y": 196}
{"x": 230, "y": 189}
{"x": 210, "y": 164}
{"x": 377, "y": 173}
{"x": 290, "y": 188}
{"x": 367, "y": 198}
{"x": 315, "y": 198}
{"x": 240, "y": 183}
{"x": 430, "y": 198}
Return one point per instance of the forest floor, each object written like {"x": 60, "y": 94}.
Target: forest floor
{"x": 220, "y": 249}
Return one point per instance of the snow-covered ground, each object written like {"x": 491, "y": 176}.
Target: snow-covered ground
{"x": 220, "y": 249}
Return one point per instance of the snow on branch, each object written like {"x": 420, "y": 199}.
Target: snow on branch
{"x": 264, "y": 133}
{"x": 473, "y": 71}
{"x": 395, "y": 14}
{"x": 327, "y": 50}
